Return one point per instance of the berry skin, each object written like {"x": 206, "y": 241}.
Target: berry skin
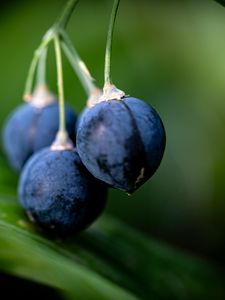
{"x": 58, "y": 193}
{"x": 31, "y": 128}
{"x": 121, "y": 142}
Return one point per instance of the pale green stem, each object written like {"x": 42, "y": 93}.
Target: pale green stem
{"x": 41, "y": 71}
{"x": 108, "y": 52}
{"x": 30, "y": 77}
{"x": 37, "y": 53}
{"x": 78, "y": 65}
{"x": 59, "y": 24}
{"x": 66, "y": 14}
{"x": 62, "y": 127}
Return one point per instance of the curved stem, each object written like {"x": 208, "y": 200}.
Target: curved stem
{"x": 41, "y": 71}
{"x": 77, "y": 64}
{"x": 108, "y": 52}
{"x": 66, "y": 14}
{"x": 50, "y": 34}
{"x": 37, "y": 53}
{"x": 62, "y": 127}
{"x": 30, "y": 77}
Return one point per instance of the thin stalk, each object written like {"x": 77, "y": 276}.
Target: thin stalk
{"x": 78, "y": 65}
{"x": 41, "y": 71}
{"x": 48, "y": 37}
{"x": 108, "y": 52}
{"x": 66, "y": 14}
{"x": 30, "y": 77}
{"x": 62, "y": 127}
{"x": 33, "y": 65}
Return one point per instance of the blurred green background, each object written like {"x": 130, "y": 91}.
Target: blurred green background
{"x": 170, "y": 54}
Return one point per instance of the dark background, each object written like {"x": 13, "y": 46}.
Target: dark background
{"x": 170, "y": 54}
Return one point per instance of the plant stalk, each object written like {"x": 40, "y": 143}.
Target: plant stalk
{"x": 108, "y": 52}
{"x": 62, "y": 127}
{"x": 48, "y": 37}
{"x": 77, "y": 64}
{"x": 41, "y": 71}
{"x": 66, "y": 14}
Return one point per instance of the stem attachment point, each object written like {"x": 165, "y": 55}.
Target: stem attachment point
{"x": 62, "y": 142}
{"x": 42, "y": 97}
{"x": 110, "y": 92}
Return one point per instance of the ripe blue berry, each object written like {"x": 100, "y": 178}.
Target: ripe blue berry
{"x": 31, "y": 128}
{"x": 58, "y": 193}
{"x": 121, "y": 142}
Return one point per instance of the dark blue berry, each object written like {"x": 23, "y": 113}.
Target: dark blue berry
{"x": 121, "y": 142}
{"x": 30, "y": 129}
{"x": 58, "y": 193}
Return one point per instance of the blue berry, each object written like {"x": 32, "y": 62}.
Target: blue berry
{"x": 58, "y": 193}
{"x": 31, "y": 128}
{"x": 121, "y": 142}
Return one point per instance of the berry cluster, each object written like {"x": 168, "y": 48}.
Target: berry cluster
{"x": 120, "y": 141}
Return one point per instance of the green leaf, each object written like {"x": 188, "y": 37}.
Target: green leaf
{"x": 108, "y": 261}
